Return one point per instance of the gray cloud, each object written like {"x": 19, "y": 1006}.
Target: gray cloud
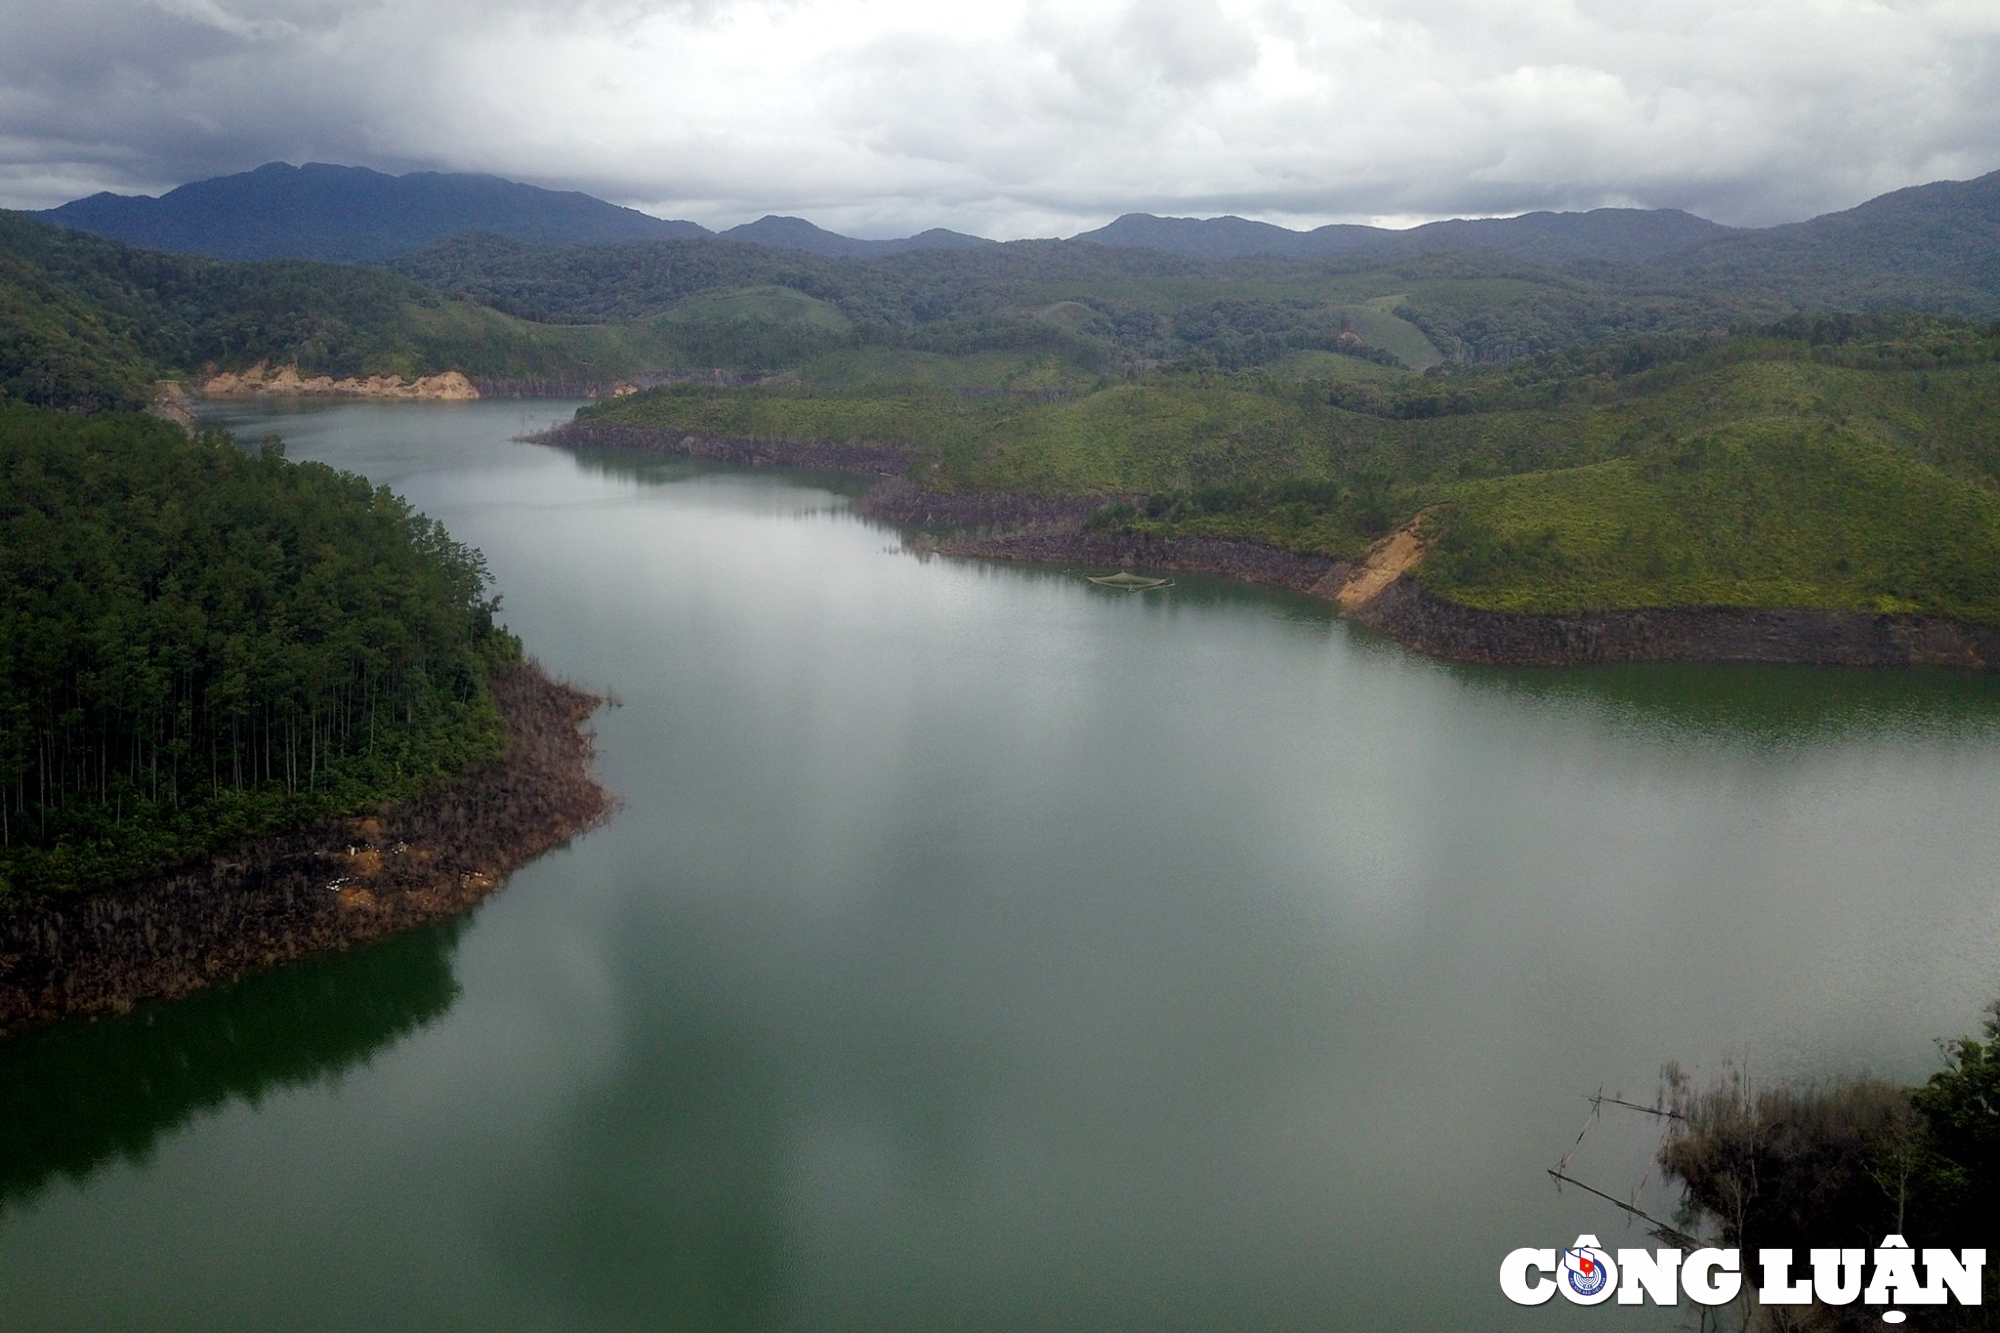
{"x": 1026, "y": 117}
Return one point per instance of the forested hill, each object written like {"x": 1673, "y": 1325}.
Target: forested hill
{"x": 200, "y": 645}
{"x": 1932, "y": 247}
{"x": 89, "y": 324}
{"x": 319, "y": 211}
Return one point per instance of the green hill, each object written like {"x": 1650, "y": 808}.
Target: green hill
{"x": 89, "y": 323}
{"x": 58, "y": 347}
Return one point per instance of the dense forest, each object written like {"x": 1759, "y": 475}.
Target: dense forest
{"x": 199, "y": 645}
{"x": 1098, "y": 304}
{"x": 90, "y": 324}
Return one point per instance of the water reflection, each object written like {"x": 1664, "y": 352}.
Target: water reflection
{"x": 690, "y": 1226}
{"x": 667, "y": 470}
{"x": 1755, "y": 706}
{"x": 1760, "y": 707}
{"x": 981, "y": 949}
{"x": 78, "y": 1095}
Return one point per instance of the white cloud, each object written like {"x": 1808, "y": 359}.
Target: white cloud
{"x": 1024, "y": 116}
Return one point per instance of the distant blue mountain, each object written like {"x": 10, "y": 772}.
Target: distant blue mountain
{"x": 1943, "y": 238}
{"x": 797, "y": 234}
{"x": 1626, "y": 234}
{"x": 351, "y": 213}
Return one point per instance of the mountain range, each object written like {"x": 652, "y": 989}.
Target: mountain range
{"x": 356, "y": 215}
{"x": 1935, "y": 246}
{"x": 1604, "y": 233}
{"x": 353, "y": 214}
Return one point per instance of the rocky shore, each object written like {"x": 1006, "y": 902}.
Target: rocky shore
{"x": 864, "y": 460}
{"x": 1411, "y": 615}
{"x": 1041, "y": 529}
{"x": 324, "y": 887}
{"x": 1248, "y": 561}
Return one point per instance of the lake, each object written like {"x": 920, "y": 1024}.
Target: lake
{"x": 977, "y": 948}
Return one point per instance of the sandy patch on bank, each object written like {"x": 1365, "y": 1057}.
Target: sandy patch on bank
{"x": 1387, "y": 561}
{"x": 261, "y": 381}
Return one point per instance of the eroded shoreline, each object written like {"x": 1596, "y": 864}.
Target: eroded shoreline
{"x": 1413, "y": 616}
{"x": 1382, "y": 592}
{"x": 331, "y": 885}
{"x": 1402, "y": 609}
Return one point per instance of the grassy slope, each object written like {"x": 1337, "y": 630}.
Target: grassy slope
{"x": 778, "y": 305}
{"x": 900, "y": 370}
{"x": 917, "y": 419}
{"x": 487, "y": 343}
{"x": 1763, "y": 513}
{"x": 1378, "y": 324}
{"x": 1131, "y": 437}
{"x": 1300, "y": 367}
{"x": 1122, "y": 437}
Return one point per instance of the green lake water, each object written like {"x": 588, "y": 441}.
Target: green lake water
{"x": 980, "y": 949}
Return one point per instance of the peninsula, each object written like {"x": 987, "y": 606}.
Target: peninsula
{"x": 1817, "y": 490}
{"x": 252, "y": 709}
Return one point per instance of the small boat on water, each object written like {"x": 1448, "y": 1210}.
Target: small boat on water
{"x": 1129, "y": 581}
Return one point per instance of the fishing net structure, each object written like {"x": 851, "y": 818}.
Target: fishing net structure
{"x": 1128, "y": 581}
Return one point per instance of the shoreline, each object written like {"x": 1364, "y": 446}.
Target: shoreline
{"x": 329, "y": 886}
{"x": 286, "y": 384}
{"x": 858, "y": 459}
{"x": 1248, "y": 562}
{"x": 1050, "y": 530}
{"x": 1401, "y": 609}
{"x": 1412, "y": 615}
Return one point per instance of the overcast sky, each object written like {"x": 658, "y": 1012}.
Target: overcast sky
{"x": 1023, "y": 117}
